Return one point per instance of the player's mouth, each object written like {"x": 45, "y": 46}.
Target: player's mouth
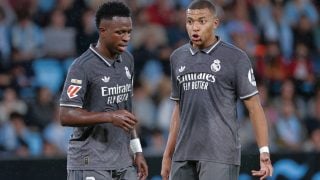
{"x": 195, "y": 38}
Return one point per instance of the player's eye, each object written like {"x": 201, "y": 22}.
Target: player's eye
{"x": 119, "y": 32}
{"x": 189, "y": 22}
{"x": 203, "y": 21}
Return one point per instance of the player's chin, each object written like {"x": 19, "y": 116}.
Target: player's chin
{"x": 121, "y": 49}
{"x": 197, "y": 43}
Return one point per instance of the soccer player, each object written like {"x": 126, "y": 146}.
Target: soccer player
{"x": 208, "y": 75}
{"x": 96, "y": 101}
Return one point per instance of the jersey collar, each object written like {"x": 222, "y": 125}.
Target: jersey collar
{"x": 106, "y": 60}
{"x": 206, "y": 50}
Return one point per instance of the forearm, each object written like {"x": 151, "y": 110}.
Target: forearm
{"x": 81, "y": 117}
{"x": 260, "y": 127}
{"x": 173, "y": 133}
{"x": 258, "y": 120}
{"x": 135, "y": 143}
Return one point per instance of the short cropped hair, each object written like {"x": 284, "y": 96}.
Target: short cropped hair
{"x": 111, "y": 9}
{"x": 202, "y": 4}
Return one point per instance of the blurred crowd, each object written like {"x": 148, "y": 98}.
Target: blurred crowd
{"x": 39, "y": 39}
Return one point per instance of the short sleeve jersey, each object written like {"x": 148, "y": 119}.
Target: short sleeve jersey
{"x": 207, "y": 84}
{"x": 97, "y": 85}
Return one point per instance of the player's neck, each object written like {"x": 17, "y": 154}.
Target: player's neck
{"x": 208, "y": 43}
{"x": 105, "y": 52}
{"x": 213, "y": 40}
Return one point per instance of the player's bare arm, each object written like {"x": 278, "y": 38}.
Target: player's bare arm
{"x": 70, "y": 116}
{"x": 141, "y": 165}
{"x": 260, "y": 126}
{"x": 173, "y": 134}
{"x": 139, "y": 159}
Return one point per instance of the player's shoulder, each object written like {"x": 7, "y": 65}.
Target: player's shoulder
{"x": 230, "y": 48}
{"x": 181, "y": 50}
{"x": 83, "y": 59}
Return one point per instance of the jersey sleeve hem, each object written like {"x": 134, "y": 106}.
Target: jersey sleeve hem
{"x": 70, "y": 105}
{"x": 249, "y": 95}
{"x": 174, "y": 99}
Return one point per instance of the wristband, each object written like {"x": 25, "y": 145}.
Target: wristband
{"x": 264, "y": 149}
{"x": 135, "y": 145}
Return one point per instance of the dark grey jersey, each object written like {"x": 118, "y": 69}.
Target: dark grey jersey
{"x": 97, "y": 85}
{"x": 207, "y": 84}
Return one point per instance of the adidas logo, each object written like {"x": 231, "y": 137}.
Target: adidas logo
{"x": 181, "y": 69}
{"x": 105, "y": 79}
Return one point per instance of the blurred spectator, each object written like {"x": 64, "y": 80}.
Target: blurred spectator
{"x": 164, "y": 58}
{"x": 161, "y": 12}
{"x": 313, "y": 144}
{"x": 303, "y": 33}
{"x": 41, "y": 110}
{"x": 313, "y": 103}
{"x": 165, "y": 105}
{"x": 176, "y": 32}
{"x": 313, "y": 124}
{"x": 71, "y": 9}
{"x": 271, "y": 68}
{"x": 290, "y": 128}
{"x": 300, "y": 69}
{"x": 276, "y": 29}
{"x": 312, "y": 119}
{"x": 316, "y": 53}
{"x": 22, "y": 81}
{"x": 23, "y": 140}
{"x": 5, "y": 50}
{"x": 144, "y": 30}
{"x": 27, "y": 41}
{"x": 294, "y": 9}
{"x": 10, "y": 15}
{"x": 242, "y": 32}
{"x": 87, "y": 34}
{"x": 146, "y": 39}
{"x": 46, "y": 6}
{"x": 289, "y": 96}
{"x": 56, "y": 136}
{"x": 143, "y": 108}
{"x": 5, "y": 42}
{"x": 156, "y": 143}
{"x": 11, "y": 103}
{"x": 59, "y": 39}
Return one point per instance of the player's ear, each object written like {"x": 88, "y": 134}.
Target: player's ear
{"x": 216, "y": 22}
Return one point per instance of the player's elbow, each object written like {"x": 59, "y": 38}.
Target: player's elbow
{"x": 64, "y": 117}
{"x": 63, "y": 120}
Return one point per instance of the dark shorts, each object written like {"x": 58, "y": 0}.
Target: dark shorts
{"x": 203, "y": 170}
{"x": 129, "y": 173}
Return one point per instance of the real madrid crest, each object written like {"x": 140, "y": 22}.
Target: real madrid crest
{"x": 127, "y": 72}
{"x": 215, "y": 66}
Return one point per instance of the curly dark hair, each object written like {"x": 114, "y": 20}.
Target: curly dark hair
{"x": 111, "y": 9}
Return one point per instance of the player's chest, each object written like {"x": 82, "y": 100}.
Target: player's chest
{"x": 110, "y": 75}
{"x": 204, "y": 68}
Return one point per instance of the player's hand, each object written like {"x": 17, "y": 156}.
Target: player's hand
{"x": 123, "y": 119}
{"x": 266, "y": 168}
{"x": 142, "y": 166}
{"x": 166, "y": 167}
